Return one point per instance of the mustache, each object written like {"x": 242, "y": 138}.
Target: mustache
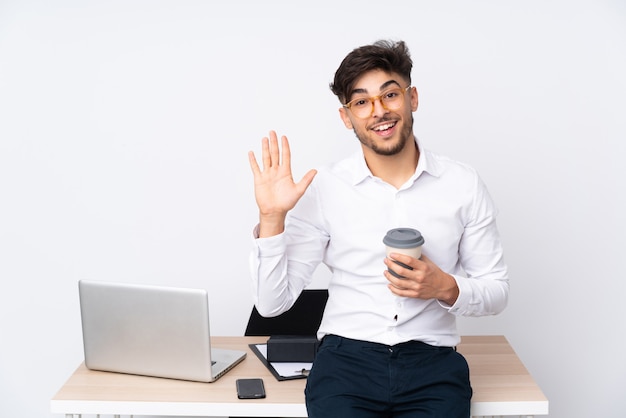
{"x": 382, "y": 120}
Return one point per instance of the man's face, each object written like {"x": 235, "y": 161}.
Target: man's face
{"x": 385, "y": 132}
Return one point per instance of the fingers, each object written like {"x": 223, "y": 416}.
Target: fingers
{"x": 306, "y": 180}
{"x": 286, "y": 155}
{"x": 274, "y": 157}
{"x": 404, "y": 259}
{"x": 265, "y": 150}
{"x": 394, "y": 270}
{"x": 412, "y": 271}
{"x": 272, "y": 152}
{"x": 406, "y": 287}
{"x": 253, "y": 164}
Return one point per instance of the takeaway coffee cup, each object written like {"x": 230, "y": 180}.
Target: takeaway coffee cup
{"x": 407, "y": 241}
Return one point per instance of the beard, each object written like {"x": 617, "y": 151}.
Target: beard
{"x": 391, "y": 148}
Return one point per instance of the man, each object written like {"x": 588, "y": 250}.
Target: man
{"x": 387, "y": 343}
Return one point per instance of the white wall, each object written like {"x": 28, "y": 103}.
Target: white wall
{"x": 124, "y": 128}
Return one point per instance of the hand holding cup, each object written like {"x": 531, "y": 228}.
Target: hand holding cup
{"x": 407, "y": 241}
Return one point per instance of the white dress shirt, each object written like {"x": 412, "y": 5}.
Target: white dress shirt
{"x": 341, "y": 221}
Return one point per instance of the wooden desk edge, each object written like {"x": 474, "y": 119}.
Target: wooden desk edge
{"x": 536, "y": 405}
{"x": 177, "y": 408}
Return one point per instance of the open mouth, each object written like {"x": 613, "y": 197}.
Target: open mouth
{"x": 384, "y": 128}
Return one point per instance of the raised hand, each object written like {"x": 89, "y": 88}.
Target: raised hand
{"x": 275, "y": 191}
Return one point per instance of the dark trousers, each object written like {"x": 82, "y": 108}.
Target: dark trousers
{"x": 360, "y": 379}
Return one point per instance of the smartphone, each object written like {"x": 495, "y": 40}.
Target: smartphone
{"x": 250, "y": 388}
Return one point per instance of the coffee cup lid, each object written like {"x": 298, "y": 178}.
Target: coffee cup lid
{"x": 403, "y": 238}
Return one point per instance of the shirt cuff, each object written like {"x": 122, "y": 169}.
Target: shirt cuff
{"x": 268, "y": 246}
{"x": 462, "y": 300}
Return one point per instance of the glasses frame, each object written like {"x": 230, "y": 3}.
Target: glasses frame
{"x": 373, "y": 99}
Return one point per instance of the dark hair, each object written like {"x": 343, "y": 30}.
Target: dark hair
{"x": 382, "y": 55}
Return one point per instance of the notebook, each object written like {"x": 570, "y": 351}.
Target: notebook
{"x": 152, "y": 331}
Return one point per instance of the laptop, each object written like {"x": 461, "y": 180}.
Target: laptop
{"x": 151, "y": 331}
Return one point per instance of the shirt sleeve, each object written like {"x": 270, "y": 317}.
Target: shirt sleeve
{"x": 283, "y": 265}
{"x": 484, "y": 288}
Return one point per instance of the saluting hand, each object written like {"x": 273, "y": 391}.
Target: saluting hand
{"x": 275, "y": 191}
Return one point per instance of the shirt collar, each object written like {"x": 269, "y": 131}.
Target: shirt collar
{"x": 425, "y": 164}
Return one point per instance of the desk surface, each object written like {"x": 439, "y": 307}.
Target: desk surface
{"x": 501, "y": 384}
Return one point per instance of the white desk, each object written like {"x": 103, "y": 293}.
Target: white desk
{"x": 501, "y": 384}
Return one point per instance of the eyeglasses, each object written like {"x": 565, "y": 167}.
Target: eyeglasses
{"x": 363, "y": 107}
